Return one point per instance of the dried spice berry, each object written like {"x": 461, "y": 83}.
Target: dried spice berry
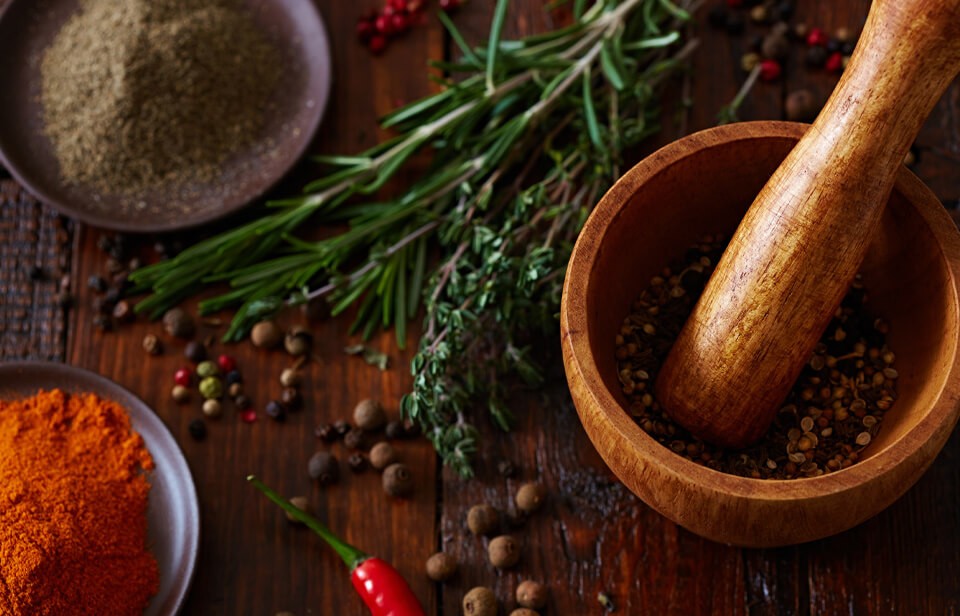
{"x": 290, "y": 377}
{"x": 394, "y": 430}
{"x": 369, "y": 415}
{"x": 411, "y": 428}
{"x": 180, "y": 394}
{"x": 801, "y": 106}
{"x": 301, "y": 503}
{"x": 441, "y": 567}
{"x": 178, "y": 323}
{"x": 207, "y": 369}
{"x": 242, "y": 402}
{"x": 211, "y": 387}
{"x": 342, "y": 427}
{"x": 227, "y": 364}
{"x": 482, "y": 519}
{"x": 507, "y": 469}
{"x": 235, "y": 389}
{"x": 275, "y": 410}
{"x": 770, "y": 70}
{"x": 326, "y": 432}
{"x": 397, "y": 481}
{"x": 357, "y": 462}
{"x": 354, "y": 439}
{"x": 291, "y": 399}
{"x": 183, "y": 376}
{"x": 323, "y": 468}
{"x": 265, "y": 335}
{"x": 297, "y": 341}
{"x": 212, "y": 408}
{"x": 503, "y": 552}
{"x": 96, "y": 284}
{"x": 151, "y": 344}
{"x": 232, "y": 376}
{"x": 197, "y": 429}
{"x": 532, "y": 594}
{"x": 480, "y": 601}
{"x": 195, "y": 351}
{"x": 530, "y": 497}
{"x": 122, "y": 312}
{"x": 382, "y": 455}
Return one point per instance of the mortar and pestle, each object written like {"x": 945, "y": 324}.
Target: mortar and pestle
{"x": 839, "y": 201}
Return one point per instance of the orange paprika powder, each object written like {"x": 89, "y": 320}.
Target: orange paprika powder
{"x": 73, "y": 502}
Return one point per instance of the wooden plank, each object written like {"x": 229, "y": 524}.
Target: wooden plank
{"x": 251, "y": 560}
{"x": 35, "y": 254}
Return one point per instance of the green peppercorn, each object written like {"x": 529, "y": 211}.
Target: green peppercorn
{"x": 397, "y": 480}
{"x": 480, "y": 601}
{"x": 482, "y": 519}
{"x": 532, "y": 594}
{"x": 324, "y": 468}
{"x": 530, "y": 496}
{"x": 503, "y": 552}
{"x": 441, "y": 567}
{"x": 206, "y": 369}
{"x": 211, "y": 387}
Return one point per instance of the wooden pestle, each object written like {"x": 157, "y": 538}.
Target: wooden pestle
{"x": 794, "y": 255}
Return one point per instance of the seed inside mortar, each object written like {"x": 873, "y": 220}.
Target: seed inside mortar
{"x": 833, "y": 412}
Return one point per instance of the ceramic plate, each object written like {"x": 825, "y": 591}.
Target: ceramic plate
{"x": 27, "y": 28}
{"x": 173, "y": 515}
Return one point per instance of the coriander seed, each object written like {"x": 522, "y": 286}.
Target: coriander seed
{"x": 480, "y": 601}
{"x": 441, "y": 567}
{"x": 503, "y": 552}
{"x": 397, "y": 481}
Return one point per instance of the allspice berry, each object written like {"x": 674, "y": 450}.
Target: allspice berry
{"x": 523, "y": 611}
{"x": 212, "y": 408}
{"x": 178, "y": 323}
{"x": 397, "y": 480}
{"x": 503, "y": 552}
{"x": 369, "y": 415}
{"x": 382, "y": 455}
{"x": 480, "y": 601}
{"x": 290, "y": 377}
{"x": 530, "y": 496}
{"x": 441, "y": 567}
{"x": 323, "y": 467}
{"x": 297, "y": 341}
{"x": 775, "y": 47}
{"x": 801, "y": 106}
{"x": 532, "y": 594}
{"x": 301, "y": 503}
{"x": 354, "y": 439}
{"x": 266, "y": 335}
{"x": 482, "y": 519}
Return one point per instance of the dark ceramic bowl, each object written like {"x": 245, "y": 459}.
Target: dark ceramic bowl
{"x": 173, "y": 515}
{"x": 27, "y": 27}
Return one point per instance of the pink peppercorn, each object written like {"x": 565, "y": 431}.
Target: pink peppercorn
{"x": 817, "y": 37}
{"x": 835, "y": 62}
{"x": 769, "y": 70}
{"x": 183, "y": 376}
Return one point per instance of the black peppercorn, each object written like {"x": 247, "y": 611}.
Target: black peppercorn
{"x": 394, "y": 430}
{"x": 397, "y": 480}
{"x": 35, "y": 273}
{"x": 342, "y": 427}
{"x": 242, "y": 402}
{"x": 178, "y": 323}
{"x": 833, "y": 45}
{"x": 411, "y": 428}
{"x": 290, "y": 398}
{"x": 275, "y": 410}
{"x": 195, "y": 351}
{"x": 323, "y": 467}
{"x": 198, "y": 429}
{"x": 103, "y": 323}
{"x": 97, "y": 283}
{"x": 353, "y": 439}
{"x": 65, "y": 299}
{"x": 357, "y": 462}
{"x": 232, "y": 377}
{"x": 506, "y": 469}
{"x": 111, "y": 297}
{"x": 326, "y": 432}
{"x": 816, "y": 56}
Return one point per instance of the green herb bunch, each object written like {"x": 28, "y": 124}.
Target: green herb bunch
{"x": 524, "y": 138}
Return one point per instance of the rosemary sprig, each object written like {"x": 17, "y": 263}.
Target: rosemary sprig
{"x": 525, "y": 136}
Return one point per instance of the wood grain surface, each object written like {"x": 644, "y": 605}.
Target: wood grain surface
{"x": 593, "y": 535}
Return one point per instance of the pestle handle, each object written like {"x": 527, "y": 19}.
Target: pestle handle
{"x": 799, "y": 246}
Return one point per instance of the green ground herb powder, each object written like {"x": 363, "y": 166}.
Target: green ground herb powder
{"x": 139, "y": 94}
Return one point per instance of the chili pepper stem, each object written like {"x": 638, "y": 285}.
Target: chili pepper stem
{"x": 351, "y": 556}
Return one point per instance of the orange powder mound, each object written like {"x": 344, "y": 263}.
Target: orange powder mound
{"x": 73, "y": 503}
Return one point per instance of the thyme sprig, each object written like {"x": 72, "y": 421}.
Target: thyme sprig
{"x": 524, "y": 137}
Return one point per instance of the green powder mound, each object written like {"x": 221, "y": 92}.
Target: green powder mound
{"x": 138, "y": 94}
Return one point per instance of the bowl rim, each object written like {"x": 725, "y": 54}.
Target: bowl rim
{"x": 581, "y": 367}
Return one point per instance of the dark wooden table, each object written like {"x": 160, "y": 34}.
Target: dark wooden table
{"x": 593, "y": 535}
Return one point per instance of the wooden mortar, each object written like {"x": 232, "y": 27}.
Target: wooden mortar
{"x": 796, "y": 251}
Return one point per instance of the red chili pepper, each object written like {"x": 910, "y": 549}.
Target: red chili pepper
{"x": 380, "y": 586}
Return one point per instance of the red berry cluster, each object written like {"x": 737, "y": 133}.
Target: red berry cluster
{"x": 377, "y": 28}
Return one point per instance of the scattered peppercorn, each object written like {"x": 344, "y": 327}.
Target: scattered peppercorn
{"x": 97, "y": 283}
{"x": 151, "y": 344}
{"x": 770, "y": 70}
{"x": 102, "y": 323}
{"x": 411, "y": 428}
{"x": 480, "y": 601}
{"x": 242, "y": 402}
{"x": 326, "y": 432}
{"x": 122, "y": 312}
{"x": 801, "y": 106}
{"x": 816, "y": 57}
{"x": 323, "y": 467}
{"x": 183, "y": 376}
{"x": 369, "y": 415}
{"x": 382, "y": 455}
{"x": 297, "y": 341}
{"x": 301, "y": 503}
{"x": 530, "y": 497}
{"x": 195, "y": 351}
{"x": 441, "y": 567}
{"x": 180, "y": 394}
{"x": 233, "y": 377}
{"x": 354, "y": 439}
{"x": 197, "y": 429}
{"x": 178, "y": 323}
{"x": 212, "y": 408}
{"x": 503, "y": 552}
{"x": 207, "y": 369}
{"x": 357, "y": 462}
{"x": 394, "y": 430}
{"x": 606, "y": 601}
{"x": 290, "y": 377}
{"x": 507, "y": 469}
{"x": 342, "y": 427}
{"x": 275, "y": 410}
{"x": 235, "y": 389}
{"x": 227, "y": 365}
{"x": 211, "y": 387}
{"x": 532, "y": 594}
{"x": 291, "y": 399}
{"x": 482, "y": 519}
{"x": 266, "y": 335}
{"x": 397, "y": 480}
